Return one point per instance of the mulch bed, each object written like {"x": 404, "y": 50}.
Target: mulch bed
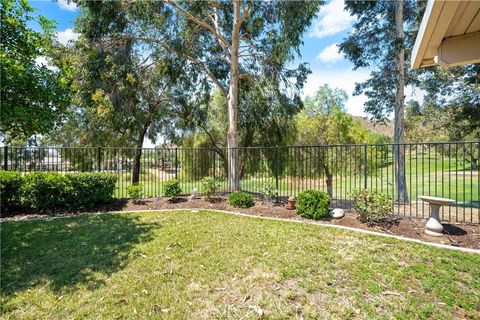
{"x": 456, "y": 234}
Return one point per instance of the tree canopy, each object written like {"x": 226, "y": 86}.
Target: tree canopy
{"x": 34, "y": 96}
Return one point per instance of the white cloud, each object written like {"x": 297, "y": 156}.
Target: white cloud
{"x": 341, "y": 78}
{"x": 41, "y": 61}
{"x": 330, "y": 54}
{"x": 67, "y": 35}
{"x": 45, "y": 61}
{"x": 331, "y": 19}
{"x": 66, "y": 5}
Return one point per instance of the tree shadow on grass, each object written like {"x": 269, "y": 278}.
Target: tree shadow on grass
{"x": 67, "y": 252}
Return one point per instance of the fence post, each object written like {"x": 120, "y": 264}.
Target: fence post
{"x": 276, "y": 169}
{"x": 176, "y": 163}
{"x": 5, "y": 158}
{"x": 365, "y": 168}
{"x": 213, "y": 163}
{"x": 99, "y": 159}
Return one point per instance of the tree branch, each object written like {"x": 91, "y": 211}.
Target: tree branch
{"x": 195, "y": 61}
{"x": 198, "y": 21}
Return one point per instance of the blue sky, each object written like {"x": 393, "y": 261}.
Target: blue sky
{"x": 319, "y": 50}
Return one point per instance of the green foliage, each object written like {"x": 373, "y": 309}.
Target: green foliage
{"x": 313, "y": 204}
{"x": 196, "y": 159}
{"x": 373, "y": 43}
{"x": 171, "y": 188}
{"x": 34, "y": 97}
{"x": 269, "y": 192}
{"x": 46, "y": 191}
{"x": 240, "y": 199}
{"x": 53, "y": 191}
{"x": 371, "y": 205}
{"x": 135, "y": 192}
{"x": 209, "y": 187}
{"x": 90, "y": 189}
{"x": 10, "y": 188}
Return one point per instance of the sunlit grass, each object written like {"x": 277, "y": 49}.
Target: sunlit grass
{"x": 180, "y": 265}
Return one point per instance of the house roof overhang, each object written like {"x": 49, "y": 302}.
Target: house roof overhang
{"x": 449, "y": 34}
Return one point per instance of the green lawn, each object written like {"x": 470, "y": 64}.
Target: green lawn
{"x": 183, "y": 265}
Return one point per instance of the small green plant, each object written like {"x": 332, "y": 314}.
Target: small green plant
{"x": 269, "y": 192}
{"x": 171, "y": 188}
{"x": 135, "y": 192}
{"x": 372, "y": 206}
{"x": 240, "y": 199}
{"x": 10, "y": 189}
{"x": 313, "y": 204}
{"x": 209, "y": 187}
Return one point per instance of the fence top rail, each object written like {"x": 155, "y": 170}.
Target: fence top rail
{"x": 253, "y": 147}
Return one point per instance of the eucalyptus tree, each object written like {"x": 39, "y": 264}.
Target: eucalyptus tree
{"x": 225, "y": 43}
{"x": 378, "y": 41}
{"x": 121, "y": 95}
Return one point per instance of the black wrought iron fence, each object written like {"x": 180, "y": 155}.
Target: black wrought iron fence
{"x": 449, "y": 170}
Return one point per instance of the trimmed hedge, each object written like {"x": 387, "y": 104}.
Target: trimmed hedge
{"x": 10, "y": 189}
{"x": 45, "y": 190}
{"x": 313, "y": 204}
{"x": 90, "y": 189}
{"x": 240, "y": 199}
{"x": 52, "y": 191}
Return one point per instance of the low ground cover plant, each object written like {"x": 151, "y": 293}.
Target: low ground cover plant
{"x": 10, "y": 187}
{"x": 240, "y": 199}
{"x": 50, "y": 191}
{"x": 313, "y": 204}
{"x": 135, "y": 192}
{"x": 172, "y": 189}
{"x": 373, "y": 207}
{"x": 209, "y": 187}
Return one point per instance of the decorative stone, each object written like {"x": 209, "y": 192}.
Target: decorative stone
{"x": 337, "y": 213}
{"x": 194, "y": 193}
{"x": 433, "y": 226}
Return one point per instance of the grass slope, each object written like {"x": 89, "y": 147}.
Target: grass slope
{"x": 212, "y": 265}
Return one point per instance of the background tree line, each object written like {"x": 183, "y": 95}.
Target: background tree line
{"x": 219, "y": 74}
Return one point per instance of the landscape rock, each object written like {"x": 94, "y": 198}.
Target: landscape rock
{"x": 337, "y": 213}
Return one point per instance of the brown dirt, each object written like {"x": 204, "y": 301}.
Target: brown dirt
{"x": 456, "y": 234}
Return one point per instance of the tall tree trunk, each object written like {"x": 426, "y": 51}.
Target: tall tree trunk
{"x": 402, "y": 195}
{"x": 138, "y": 154}
{"x": 329, "y": 176}
{"x": 232, "y": 136}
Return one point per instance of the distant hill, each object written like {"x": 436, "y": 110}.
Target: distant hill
{"x": 380, "y": 128}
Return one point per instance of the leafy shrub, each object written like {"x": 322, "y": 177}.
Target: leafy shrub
{"x": 10, "y": 189}
{"x": 240, "y": 199}
{"x": 313, "y": 204}
{"x": 135, "y": 192}
{"x": 46, "y": 191}
{"x": 269, "y": 192}
{"x": 371, "y": 205}
{"x": 209, "y": 187}
{"x": 89, "y": 189}
{"x": 171, "y": 188}
{"x": 52, "y": 191}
